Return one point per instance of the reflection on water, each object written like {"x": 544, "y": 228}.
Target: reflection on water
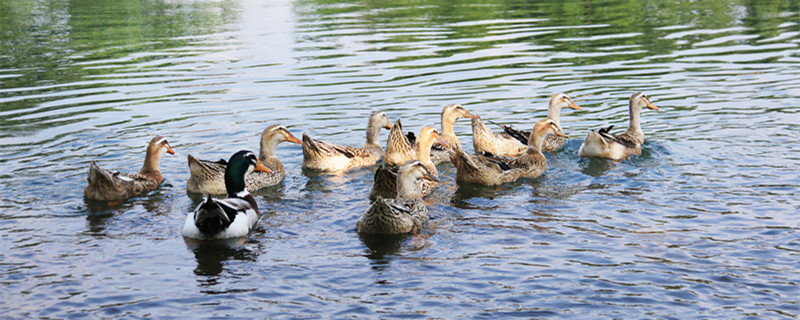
{"x": 702, "y": 224}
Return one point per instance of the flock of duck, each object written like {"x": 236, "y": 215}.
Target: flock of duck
{"x": 407, "y": 174}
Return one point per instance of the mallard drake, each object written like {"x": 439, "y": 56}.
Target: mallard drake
{"x": 234, "y": 216}
{"x": 385, "y": 183}
{"x": 403, "y": 214}
{"x": 450, "y": 114}
{"x": 552, "y": 142}
{"x": 115, "y": 186}
{"x": 603, "y": 144}
{"x": 328, "y": 157}
{"x": 492, "y": 170}
{"x": 207, "y": 177}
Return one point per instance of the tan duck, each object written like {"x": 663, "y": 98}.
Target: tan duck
{"x": 385, "y": 183}
{"x": 450, "y": 114}
{"x": 491, "y": 170}
{"x": 497, "y": 143}
{"x": 208, "y": 177}
{"x": 332, "y": 158}
{"x": 403, "y": 214}
{"x": 553, "y": 142}
{"x": 603, "y": 144}
{"x": 115, "y": 186}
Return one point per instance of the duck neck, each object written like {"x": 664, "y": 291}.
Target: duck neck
{"x": 234, "y": 181}
{"x": 447, "y": 126}
{"x": 268, "y": 147}
{"x": 423, "y": 150}
{"x": 554, "y": 113}
{"x": 536, "y": 139}
{"x": 151, "y": 164}
{"x": 373, "y": 133}
{"x": 634, "y": 127}
{"x": 407, "y": 189}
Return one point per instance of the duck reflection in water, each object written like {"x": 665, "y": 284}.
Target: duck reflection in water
{"x": 212, "y": 254}
{"x": 99, "y": 213}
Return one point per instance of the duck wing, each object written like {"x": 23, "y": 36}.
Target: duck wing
{"x": 385, "y": 183}
{"x": 511, "y": 132}
{"x": 206, "y": 168}
{"x": 325, "y": 149}
{"x": 498, "y": 161}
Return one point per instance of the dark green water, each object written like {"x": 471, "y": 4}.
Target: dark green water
{"x": 703, "y": 225}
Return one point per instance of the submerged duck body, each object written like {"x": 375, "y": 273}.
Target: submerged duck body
{"x": 403, "y": 214}
{"x": 234, "y": 216}
{"x": 492, "y": 170}
{"x": 114, "y": 186}
{"x": 207, "y": 177}
{"x": 332, "y": 158}
{"x": 603, "y": 144}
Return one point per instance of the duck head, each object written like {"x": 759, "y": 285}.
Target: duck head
{"x": 240, "y": 164}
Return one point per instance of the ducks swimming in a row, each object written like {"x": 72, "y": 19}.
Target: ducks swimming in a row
{"x": 408, "y": 173}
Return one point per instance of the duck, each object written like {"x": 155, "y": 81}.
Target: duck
{"x": 497, "y": 143}
{"x": 385, "y": 181}
{"x": 488, "y": 169}
{"x": 234, "y": 216}
{"x": 603, "y": 144}
{"x": 553, "y": 142}
{"x": 114, "y": 186}
{"x": 450, "y": 114}
{"x": 208, "y": 177}
{"x": 331, "y": 158}
{"x": 403, "y": 214}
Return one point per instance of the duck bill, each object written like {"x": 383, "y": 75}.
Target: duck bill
{"x": 471, "y": 115}
{"x": 650, "y": 105}
{"x": 293, "y": 139}
{"x": 430, "y": 177}
{"x": 387, "y": 125}
{"x": 261, "y": 167}
{"x": 574, "y": 106}
{"x": 169, "y": 150}
{"x": 441, "y": 142}
{"x": 562, "y": 134}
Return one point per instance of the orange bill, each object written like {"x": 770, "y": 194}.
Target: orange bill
{"x": 294, "y": 139}
{"x": 430, "y": 177}
{"x": 575, "y": 106}
{"x": 650, "y": 105}
{"x": 261, "y": 167}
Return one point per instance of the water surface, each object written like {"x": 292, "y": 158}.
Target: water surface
{"x": 702, "y": 225}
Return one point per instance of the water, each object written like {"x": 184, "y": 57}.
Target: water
{"x": 702, "y": 225}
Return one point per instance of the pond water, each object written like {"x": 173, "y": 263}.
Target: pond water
{"x": 703, "y": 225}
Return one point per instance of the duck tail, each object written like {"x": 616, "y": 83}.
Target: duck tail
{"x": 210, "y": 217}
{"x": 461, "y": 159}
{"x": 98, "y": 176}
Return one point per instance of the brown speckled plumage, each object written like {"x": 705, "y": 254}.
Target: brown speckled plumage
{"x": 603, "y": 144}
{"x": 402, "y": 214}
{"x": 492, "y": 170}
{"x": 207, "y": 177}
{"x": 111, "y": 186}
{"x": 328, "y": 157}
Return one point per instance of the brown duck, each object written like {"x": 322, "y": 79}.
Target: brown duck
{"x": 115, "y": 186}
